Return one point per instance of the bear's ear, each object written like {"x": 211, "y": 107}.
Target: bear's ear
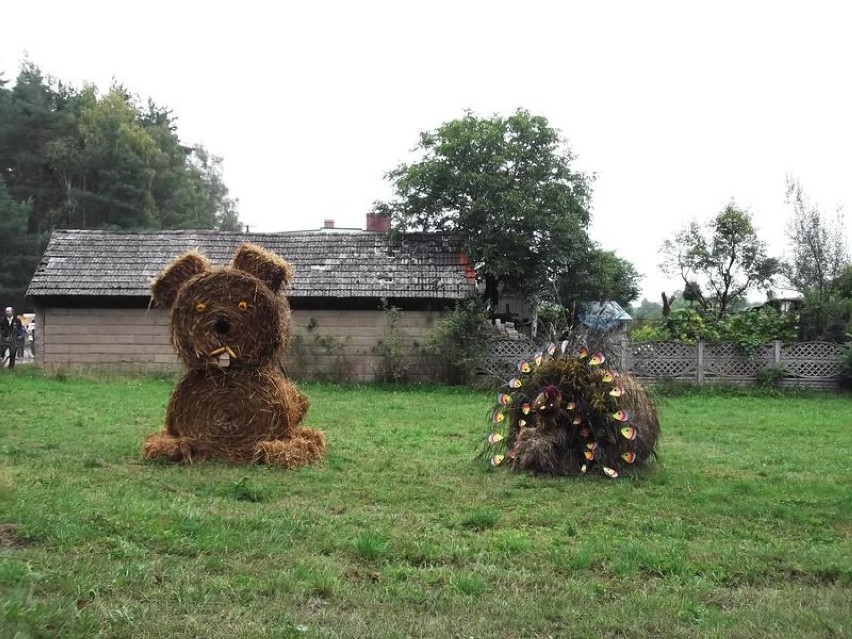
{"x": 264, "y": 265}
{"x": 164, "y": 289}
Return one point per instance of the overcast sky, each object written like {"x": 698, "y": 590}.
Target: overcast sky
{"x": 677, "y": 107}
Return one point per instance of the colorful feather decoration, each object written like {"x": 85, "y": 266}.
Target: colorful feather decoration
{"x": 628, "y": 432}
{"x": 589, "y": 416}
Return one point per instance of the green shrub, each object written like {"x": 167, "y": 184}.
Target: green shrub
{"x": 770, "y": 377}
{"x": 845, "y": 361}
{"x": 393, "y": 349}
{"x": 649, "y": 332}
{"x": 459, "y": 342}
{"x": 747, "y": 329}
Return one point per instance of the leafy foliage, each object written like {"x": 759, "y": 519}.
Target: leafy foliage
{"x": 80, "y": 159}
{"x": 824, "y": 318}
{"x": 845, "y": 360}
{"x": 754, "y": 327}
{"x": 646, "y": 310}
{"x": 720, "y": 262}
{"x": 818, "y": 267}
{"x": 393, "y": 349}
{"x": 747, "y": 329}
{"x": 553, "y": 320}
{"x": 600, "y": 276}
{"x": 459, "y": 341}
{"x": 505, "y": 186}
{"x": 817, "y": 244}
{"x": 19, "y": 250}
{"x": 87, "y": 160}
{"x": 770, "y": 377}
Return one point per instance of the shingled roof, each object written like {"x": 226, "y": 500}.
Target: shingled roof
{"x": 339, "y": 265}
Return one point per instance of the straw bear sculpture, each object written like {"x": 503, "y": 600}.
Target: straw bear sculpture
{"x": 230, "y": 326}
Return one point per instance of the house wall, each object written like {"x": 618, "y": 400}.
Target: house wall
{"x": 325, "y": 344}
{"x": 104, "y": 338}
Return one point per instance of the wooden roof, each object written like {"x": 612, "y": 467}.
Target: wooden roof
{"x": 338, "y": 265}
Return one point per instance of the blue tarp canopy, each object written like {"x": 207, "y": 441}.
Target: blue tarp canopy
{"x": 603, "y": 316}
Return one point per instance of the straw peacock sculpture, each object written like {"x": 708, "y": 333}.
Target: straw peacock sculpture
{"x": 566, "y": 413}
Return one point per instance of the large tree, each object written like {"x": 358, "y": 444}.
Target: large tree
{"x": 31, "y": 113}
{"x": 90, "y": 160}
{"x": 19, "y": 250}
{"x": 719, "y": 262}
{"x": 818, "y": 252}
{"x": 601, "y": 275}
{"x": 505, "y": 186}
{"x": 75, "y": 158}
{"x": 817, "y": 266}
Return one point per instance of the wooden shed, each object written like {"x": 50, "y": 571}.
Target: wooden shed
{"x": 93, "y": 303}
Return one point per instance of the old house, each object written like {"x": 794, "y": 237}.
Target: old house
{"x": 93, "y": 303}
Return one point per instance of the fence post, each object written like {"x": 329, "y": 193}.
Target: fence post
{"x": 699, "y": 369}
{"x": 777, "y": 352}
{"x": 625, "y": 363}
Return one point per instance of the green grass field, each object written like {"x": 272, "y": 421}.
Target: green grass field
{"x": 743, "y": 528}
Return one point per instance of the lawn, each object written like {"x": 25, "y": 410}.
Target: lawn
{"x": 742, "y": 529}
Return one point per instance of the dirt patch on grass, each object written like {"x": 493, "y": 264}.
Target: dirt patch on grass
{"x": 10, "y": 536}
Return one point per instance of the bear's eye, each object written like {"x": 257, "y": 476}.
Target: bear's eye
{"x": 242, "y": 306}
{"x": 200, "y": 307}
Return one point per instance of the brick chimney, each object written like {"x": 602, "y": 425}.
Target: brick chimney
{"x": 378, "y": 222}
{"x": 328, "y": 224}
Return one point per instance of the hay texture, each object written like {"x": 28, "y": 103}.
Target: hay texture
{"x": 567, "y": 413}
{"x": 229, "y": 326}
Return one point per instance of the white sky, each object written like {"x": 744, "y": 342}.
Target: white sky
{"x": 676, "y": 106}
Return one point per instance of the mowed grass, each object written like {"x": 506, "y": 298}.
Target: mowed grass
{"x": 743, "y": 529}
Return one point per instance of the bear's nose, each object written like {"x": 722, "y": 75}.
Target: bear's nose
{"x": 222, "y": 326}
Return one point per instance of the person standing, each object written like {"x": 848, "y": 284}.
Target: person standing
{"x": 10, "y": 326}
{"x": 31, "y": 337}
